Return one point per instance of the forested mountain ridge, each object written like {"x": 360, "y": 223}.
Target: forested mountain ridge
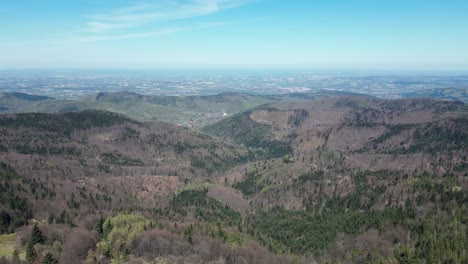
{"x": 90, "y": 149}
{"x": 341, "y": 179}
{"x": 354, "y": 128}
{"x": 358, "y": 171}
{"x": 449, "y": 93}
{"x": 192, "y": 111}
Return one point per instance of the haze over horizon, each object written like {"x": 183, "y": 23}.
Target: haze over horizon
{"x": 409, "y": 35}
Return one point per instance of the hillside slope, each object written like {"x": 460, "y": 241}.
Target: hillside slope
{"x": 451, "y": 93}
{"x": 89, "y": 152}
{"x": 190, "y": 111}
{"x": 348, "y": 179}
{"x": 359, "y": 171}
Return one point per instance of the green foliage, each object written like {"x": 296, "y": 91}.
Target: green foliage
{"x": 15, "y": 259}
{"x": 120, "y": 160}
{"x": 64, "y": 218}
{"x": 49, "y": 259}
{"x": 330, "y": 156}
{"x": 364, "y": 195}
{"x": 242, "y": 130}
{"x": 105, "y": 168}
{"x": 437, "y": 238}
{"x": 190, "y": 239}
{"x": 36, "y": 236}
{"x": 64, "y": 123}
{"x": 100, "y": 226}
{"x": 26, "y": 97}
{"x": 204, "y": 208}
{"x": 435, "y": 137}
{"x": 248, "y": 185}
{"x": 333, "y": 211}
{"x": 393, "y": 130}
{"x": 297, "y": 117}
{"x": 19, "y": 222}
{"x": 453, "y": 94}
{"x": 5, "y": 221}
{"x": 31, "y": 254}
{"x": 260, "y": 178}
{"x": 118, "y": 234}
{"x": 270, "y": 187}
{"x": 446, "y": 192}
{"x": 7, "y": 245}
{"x": 129, "y": 133}
{"x": 431, "y": 138}
{"x": 311, "y": 176}
{"x": 9, "y": 193}
{"x": 190, "y": 198}
{"x": 56, "y": 128}
{"x": 462, "y": 167}
{"x": 304, "y": 231}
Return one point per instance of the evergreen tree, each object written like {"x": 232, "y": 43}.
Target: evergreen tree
{"x": 51, "y": 219}
{"x": 15, "y": 257}
{"x": 36, "y": 236}
{"x": 31, "y": 254}
{"x": 49, "y": 259}
{"x": 100, "y": 227}
{"x": 5, "y": 221}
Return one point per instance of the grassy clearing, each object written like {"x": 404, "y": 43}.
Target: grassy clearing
{"x": 7, "y": 246}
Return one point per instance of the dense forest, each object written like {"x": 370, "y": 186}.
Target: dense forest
{"x": 338, "y": 180}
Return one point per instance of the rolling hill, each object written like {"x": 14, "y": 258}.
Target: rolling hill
{"x": 451, "y": 93}
{"x": 190, "y": 111}
{"x": 357, "y": 170}
{"x": 85, "y": 151}
{"x": 310, "y": 178}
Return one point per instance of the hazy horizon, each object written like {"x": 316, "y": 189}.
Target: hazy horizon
{"x": 184, "y": 71}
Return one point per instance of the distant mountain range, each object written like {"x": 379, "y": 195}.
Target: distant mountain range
{"x": 453, "y": 94}
{"x": 193, "y": 111}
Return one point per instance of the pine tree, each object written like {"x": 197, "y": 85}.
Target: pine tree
{"x": 31, "y": 254}
{"x": 36, "y": 236}
{"x": 49, "y": 259}
{"x": 100, "y": 227}
{"x": 5, "y": 221}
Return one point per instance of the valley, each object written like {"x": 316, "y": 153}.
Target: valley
{"x": 326, "y": 178}
{"x": 233, "y": 132}
{"x": 191, "y": 111}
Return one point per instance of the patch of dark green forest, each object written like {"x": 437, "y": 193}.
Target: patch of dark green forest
{"x": 63, "y": 123}
{"x": 240, "y": 129}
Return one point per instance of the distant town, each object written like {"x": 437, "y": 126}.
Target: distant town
{"x": 75, "y": 84}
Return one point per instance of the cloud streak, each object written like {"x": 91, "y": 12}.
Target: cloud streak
{"x": 124, "y": 23}
{"x": 94, "y": 38}
{"x": 158, "y": 33}
{"x": 144, "y": 14}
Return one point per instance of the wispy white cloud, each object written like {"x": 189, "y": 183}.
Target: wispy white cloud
{"x": 94, "y": 38}
{"x": 146, "y": 13}
{"x": 127, "y": 22}
{"x": 158, "y": 33}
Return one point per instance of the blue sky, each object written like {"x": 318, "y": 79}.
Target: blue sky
{"x": 393, "y": 34}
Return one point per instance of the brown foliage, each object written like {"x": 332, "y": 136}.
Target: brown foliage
{"x": 160, "y": 243}
{"x": 156, "y": 242}
{"x": 77, "y": 245}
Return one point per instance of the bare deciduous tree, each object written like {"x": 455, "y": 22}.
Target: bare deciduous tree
{"x": 76, "y": 246}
